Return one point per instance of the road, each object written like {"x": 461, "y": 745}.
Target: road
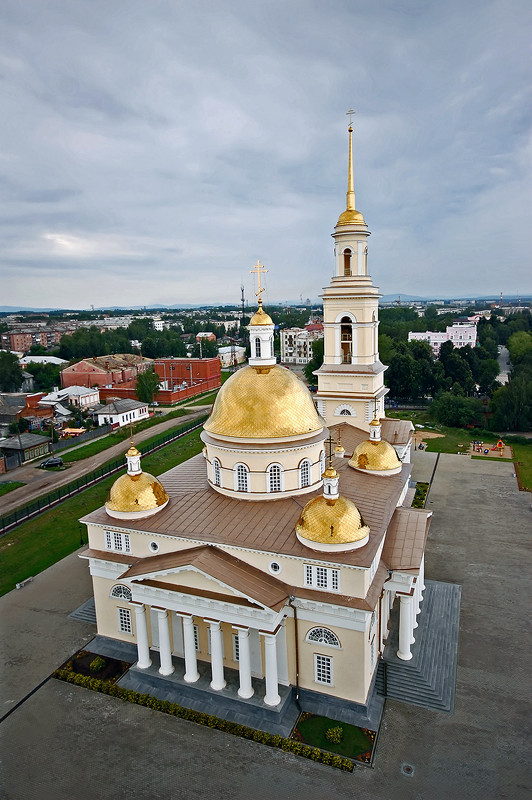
{"x": 40, "y": 482}
{"x": 504, "y": 364}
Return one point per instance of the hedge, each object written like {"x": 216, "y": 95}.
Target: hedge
{"x": 210, "y": 720}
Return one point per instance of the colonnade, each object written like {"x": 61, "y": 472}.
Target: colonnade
{"x": 191, "y": 675}
{"x": 410, "y": 606}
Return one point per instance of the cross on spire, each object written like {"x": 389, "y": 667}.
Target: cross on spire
{"x": 330, "y": 442}
{"x": 350, "y": 115}
{"x": 258, "y": 270}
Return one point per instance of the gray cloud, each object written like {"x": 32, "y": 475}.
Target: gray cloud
{"x": 151, "y": 152}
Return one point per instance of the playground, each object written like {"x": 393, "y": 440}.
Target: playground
{"x": 490, "y": 450}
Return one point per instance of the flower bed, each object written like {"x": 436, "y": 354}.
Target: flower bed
{"x": 90, "y": 664}
{"x": 334, "y": 736}
{"x": 420, "y": 495}
{"x": 210, "y": 720}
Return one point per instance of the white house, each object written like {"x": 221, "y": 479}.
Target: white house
{"x": 121, "y": 412}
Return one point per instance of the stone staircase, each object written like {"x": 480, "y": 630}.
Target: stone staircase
{"x": 85, "y": 613}
{"x": 429, "y": 678}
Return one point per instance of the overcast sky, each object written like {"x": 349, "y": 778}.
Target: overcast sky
{"x": 153, "y": 150}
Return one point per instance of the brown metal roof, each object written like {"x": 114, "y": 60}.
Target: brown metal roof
{"x": 252, "y": 582}
{"x": 405, "y": 540}
{"x": 201, "y": 514}
{"x": 396, "y": 431}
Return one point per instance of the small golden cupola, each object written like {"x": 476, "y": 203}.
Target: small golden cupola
{"x": 374, "y": 455}
{"x": 136, "y": 494}
{"x": 331, "y": 523}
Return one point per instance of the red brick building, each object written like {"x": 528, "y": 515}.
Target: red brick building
{"x": 181, "y": 378}
{"x": 115, "y": 370}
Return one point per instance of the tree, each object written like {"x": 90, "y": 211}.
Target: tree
{"x": 10, "y": 372}
{"x": 456, "y": 411}
{"x": 386, "y": 348}
{"x": 208, "y": 349}
{"x": 400, "y": 377}
{"x": 147, "y": 386}
{"x": 487, "y": 379}
{"x": 511, "y": 406}
{"x": 45, "y": 376}
{"x": 316, "y": 360}
{"x": 519, "y": 345}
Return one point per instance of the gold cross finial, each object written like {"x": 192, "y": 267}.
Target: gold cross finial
{"x": 350, "y": 115}
{"x": 258, "y": 270}
{"x": 330, "y": 442}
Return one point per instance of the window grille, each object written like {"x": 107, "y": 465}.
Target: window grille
{"x": 323, "y": 669}
{"x": 242, "y": 483}
{"x": 304, "y": 474}
{"x": 274, "y": 478}
{"x": 257, "y": 348}
{"x": 323, "y": 636}
{"x": 216, "y": 473}
{"x": 236, "y": 647}
{"x": 124, "y": 620}
{"x": 121, "y": 592}
{"x": 196, "y": 638}
{"x": 322, "y": 577}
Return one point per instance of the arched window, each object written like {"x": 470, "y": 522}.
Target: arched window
{"x": 346, "y": 337}
{"x": 345, "y": 412}
{"x": 241, "y": 473}
{"x": 322, "y": 461}
{"x": 257, "y": 347}
{"x": 216, "y": 473}
{"x": 121, "y": 592}
{"x": 347, "y": 261}
{"x": 323, "y": 636}
{"x": 304, "y": 474}
{"x": 275, "y": 477}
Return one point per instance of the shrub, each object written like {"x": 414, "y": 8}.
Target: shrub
{"x": 335, "y": 735}
{"x": 97, "y": 664}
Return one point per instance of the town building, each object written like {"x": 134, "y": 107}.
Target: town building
{"x": 105, "y": 370}
{"x": 205, "y": 336}
{"x": 296, "y": 343}
{"x": 121, "y": 412}
{"x": 460, "y": 333}
{"x": 262, "y": 573}
{"x": 17, "y": 450}
{"x": 231, "y": 355}
{"x": 78, "y": 396}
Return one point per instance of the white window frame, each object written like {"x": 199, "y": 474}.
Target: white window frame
{"x": 322, "y": 462}
{"x": 236, "y": 648}
{"x": 121, "y": 592}
{"x": 323, "y": 669}
{"x": 117, "y": 541}
{"x": 237, "y": 475}
{"x": 216, "y": 472}
{"x": 124, "y": 621}
{"x": 275, "y": 484}
{"x": 319, "y": 577}
{"x": 323, "y": 636}
{"x": 305, "y": 464}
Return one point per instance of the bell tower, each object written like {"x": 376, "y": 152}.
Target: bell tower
{"x": 350, "y": 381}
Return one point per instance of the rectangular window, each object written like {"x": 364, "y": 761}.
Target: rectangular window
{"x": 108, "y": 540}
{"x": 117, "y": 540}
{"x": 323, "y": 669}
{"x": 322, "y": 578}
{"x": 120, "y": 542}
{"x": 236, "y": 647}
{"x": 124, "y": 620}
{"x": 196, "y": 638}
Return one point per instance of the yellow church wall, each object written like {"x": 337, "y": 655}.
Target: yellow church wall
{"x": 107, "y": 610}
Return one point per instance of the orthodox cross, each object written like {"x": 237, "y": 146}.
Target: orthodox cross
{"x": 258, "y": 270}
{"x": 350, "y": 115}
{"x": 330, "y": 442}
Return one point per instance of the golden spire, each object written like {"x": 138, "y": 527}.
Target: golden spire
{"x": 350, "y": 216}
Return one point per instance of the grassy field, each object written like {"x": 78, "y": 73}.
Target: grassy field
{"x": 354, "y": 741}
{"x": 523, "y": 459}
{"x": 36, "y": 545}
{"x": 8, "y": 486}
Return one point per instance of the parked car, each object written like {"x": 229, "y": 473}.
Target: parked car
{"x": 55, "y": 461}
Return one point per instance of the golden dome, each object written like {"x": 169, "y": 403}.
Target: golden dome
{"x": 133, "y": 451}
{"x": 330, "y": 523}
{"x": 136, "y": 493}
{"x": 272, "y": 404}
{"x": 378, "y": 456}
{"x": 330, "y": 472}
{"x": 351, "y": 217}
{"x": 260, "y": 317}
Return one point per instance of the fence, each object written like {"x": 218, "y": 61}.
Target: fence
{"x": 52, "y": 499}
{"x": 63, "y": 444}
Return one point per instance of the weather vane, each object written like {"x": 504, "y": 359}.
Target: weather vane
{"x": 258, "y": 270}
{"x": 350, "y": 115}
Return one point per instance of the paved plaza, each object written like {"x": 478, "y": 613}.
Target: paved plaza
{"x": 65, "y": 742}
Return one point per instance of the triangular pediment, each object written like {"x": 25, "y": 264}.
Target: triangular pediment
{"x": 210, "y": 571}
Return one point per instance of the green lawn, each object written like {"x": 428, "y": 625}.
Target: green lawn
{"x": 39, "y": 543}
{"x": 8, "y": 486}
{"x": 523, "y": 458}
{"x": 312, "y": 730}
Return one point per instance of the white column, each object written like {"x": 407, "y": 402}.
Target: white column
{"x": 191, "y": 664}
{"x": 143, "y": 648}
{"x": 245, "y": 689}
{"x": 165, "y": 649}
{"x": 271, "y": 697}
{"x": 415, "y": 604}
{"x": 405, "y": 627}
{"x": 217, "y": 657}
{"x": 422, "y": 575}
{"x": 412, "y": 617}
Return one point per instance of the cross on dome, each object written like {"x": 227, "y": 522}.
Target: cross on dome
{"x": 258, "y": 270}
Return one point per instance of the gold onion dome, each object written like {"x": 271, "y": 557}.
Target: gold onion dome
{"x": 271, "y": 404}
{"x": 260, "y": 317}
{"x": 375, "y": 456}
{"x": 330, "y": 525}
{"x": 136, "y": 494}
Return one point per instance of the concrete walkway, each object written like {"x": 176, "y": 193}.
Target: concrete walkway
{"x": 39, "y": 482}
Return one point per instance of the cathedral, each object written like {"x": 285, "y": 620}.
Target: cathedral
{"x": 264, "y": 571}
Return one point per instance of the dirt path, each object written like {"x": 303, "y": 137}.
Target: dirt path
{"x": 43, "y": 482}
